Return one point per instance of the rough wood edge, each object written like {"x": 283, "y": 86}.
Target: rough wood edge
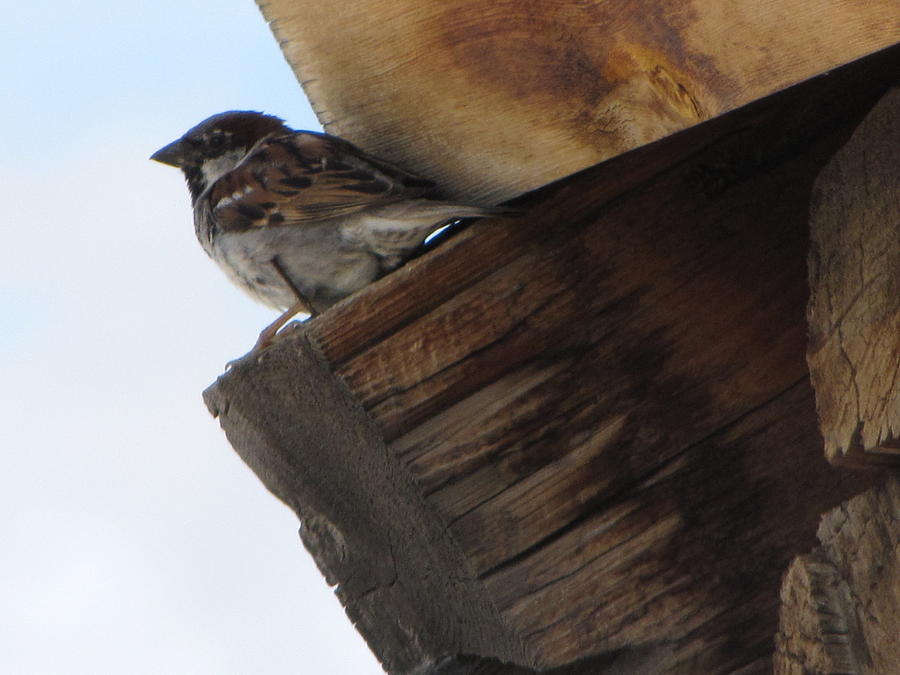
{"x": 400, "y": 576}
{"x": 854, "y": 307}
{"x": 841, "y": 603}
{"x": 326, "y": 536}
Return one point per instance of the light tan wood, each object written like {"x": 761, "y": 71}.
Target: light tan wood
{"x": 854, "y": 309}
{"x": 840, "y": 609}
{"x": 495, "y": 97}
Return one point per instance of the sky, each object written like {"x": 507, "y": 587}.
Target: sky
{"x": 132, "y": 537}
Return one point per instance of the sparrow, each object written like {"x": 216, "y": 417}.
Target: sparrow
{"x": 301, "y": 219}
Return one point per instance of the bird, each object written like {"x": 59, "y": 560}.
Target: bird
{"x": 302, "y": 219}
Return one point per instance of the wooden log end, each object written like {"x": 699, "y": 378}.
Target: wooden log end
{"x": 854, "y": 307}
{"x": 840, "y": 608}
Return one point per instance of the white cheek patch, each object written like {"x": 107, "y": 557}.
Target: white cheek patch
{"x": 214, "y": 169}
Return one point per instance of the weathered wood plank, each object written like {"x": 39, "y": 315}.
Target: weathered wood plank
{"x": 840, "y": 609}
{"x": 362, "y": 518}
{"x": 594, "y": 345}
{"x": 599, "y": 411}
{"x": 854, "y": 309}
{"x": 691, "y": 553}
{"x": 449, "y": 268}
{"x": 496, "y": 97}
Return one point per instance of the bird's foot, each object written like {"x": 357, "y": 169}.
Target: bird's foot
{"x": 267, "y": 336}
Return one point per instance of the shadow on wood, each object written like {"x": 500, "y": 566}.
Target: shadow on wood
{"x": 589, "y": 430}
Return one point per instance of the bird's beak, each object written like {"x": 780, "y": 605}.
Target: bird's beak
{"x": 171, "y": 154}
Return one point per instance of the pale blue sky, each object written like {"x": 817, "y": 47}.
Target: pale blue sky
{"x": 133, "y": 538}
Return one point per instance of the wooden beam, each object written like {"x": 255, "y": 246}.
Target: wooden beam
{"x": 854, "y": 309}
{"x": 400, "y": 576}
{"x": 595, "y": 421}
{"x": 840, "y": 609}
{"x": 492, "y": 98}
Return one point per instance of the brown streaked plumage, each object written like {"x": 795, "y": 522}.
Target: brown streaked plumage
{"x": 300, "y": 219}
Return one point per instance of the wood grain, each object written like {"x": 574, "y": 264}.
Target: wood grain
{"x": 551, "y": 374}
{"x": 840, "y": 608}
{"x": 363, "y": 520}
{"x": 492, "y": 98}
{"x": 583, "y": 436}
{"x": 854, "y": 309}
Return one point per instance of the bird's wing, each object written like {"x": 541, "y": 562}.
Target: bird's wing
{"x": 304, "y": 176}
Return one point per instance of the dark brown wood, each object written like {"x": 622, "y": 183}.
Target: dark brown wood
{"x": 854, "y": 309}
{"x": 492, "y": 98}
{"x": 840, "y": 608}
{"x": 401, "y": 577}
{"x": 601, "y": 411}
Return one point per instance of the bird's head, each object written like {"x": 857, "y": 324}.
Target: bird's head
{"x": 216, "y": 145}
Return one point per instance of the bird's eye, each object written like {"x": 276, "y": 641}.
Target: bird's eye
{"x": 216, "y": 140}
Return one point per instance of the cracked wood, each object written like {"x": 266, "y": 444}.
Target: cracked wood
{"x": 582, "y": 434}
{"x": 840, "y": 608}
{"x": 362, "y": 519}
{"x": 854, "y": 308}
{"x": 607, "y": 402}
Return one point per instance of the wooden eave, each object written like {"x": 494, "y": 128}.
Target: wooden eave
{"x": 588, "y": 432}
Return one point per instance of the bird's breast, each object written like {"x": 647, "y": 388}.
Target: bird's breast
{"x": 317, "y": 259}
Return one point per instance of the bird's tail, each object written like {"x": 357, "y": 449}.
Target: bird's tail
{"x": 428, "y": 214}
{"x": 446, "y": 212}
